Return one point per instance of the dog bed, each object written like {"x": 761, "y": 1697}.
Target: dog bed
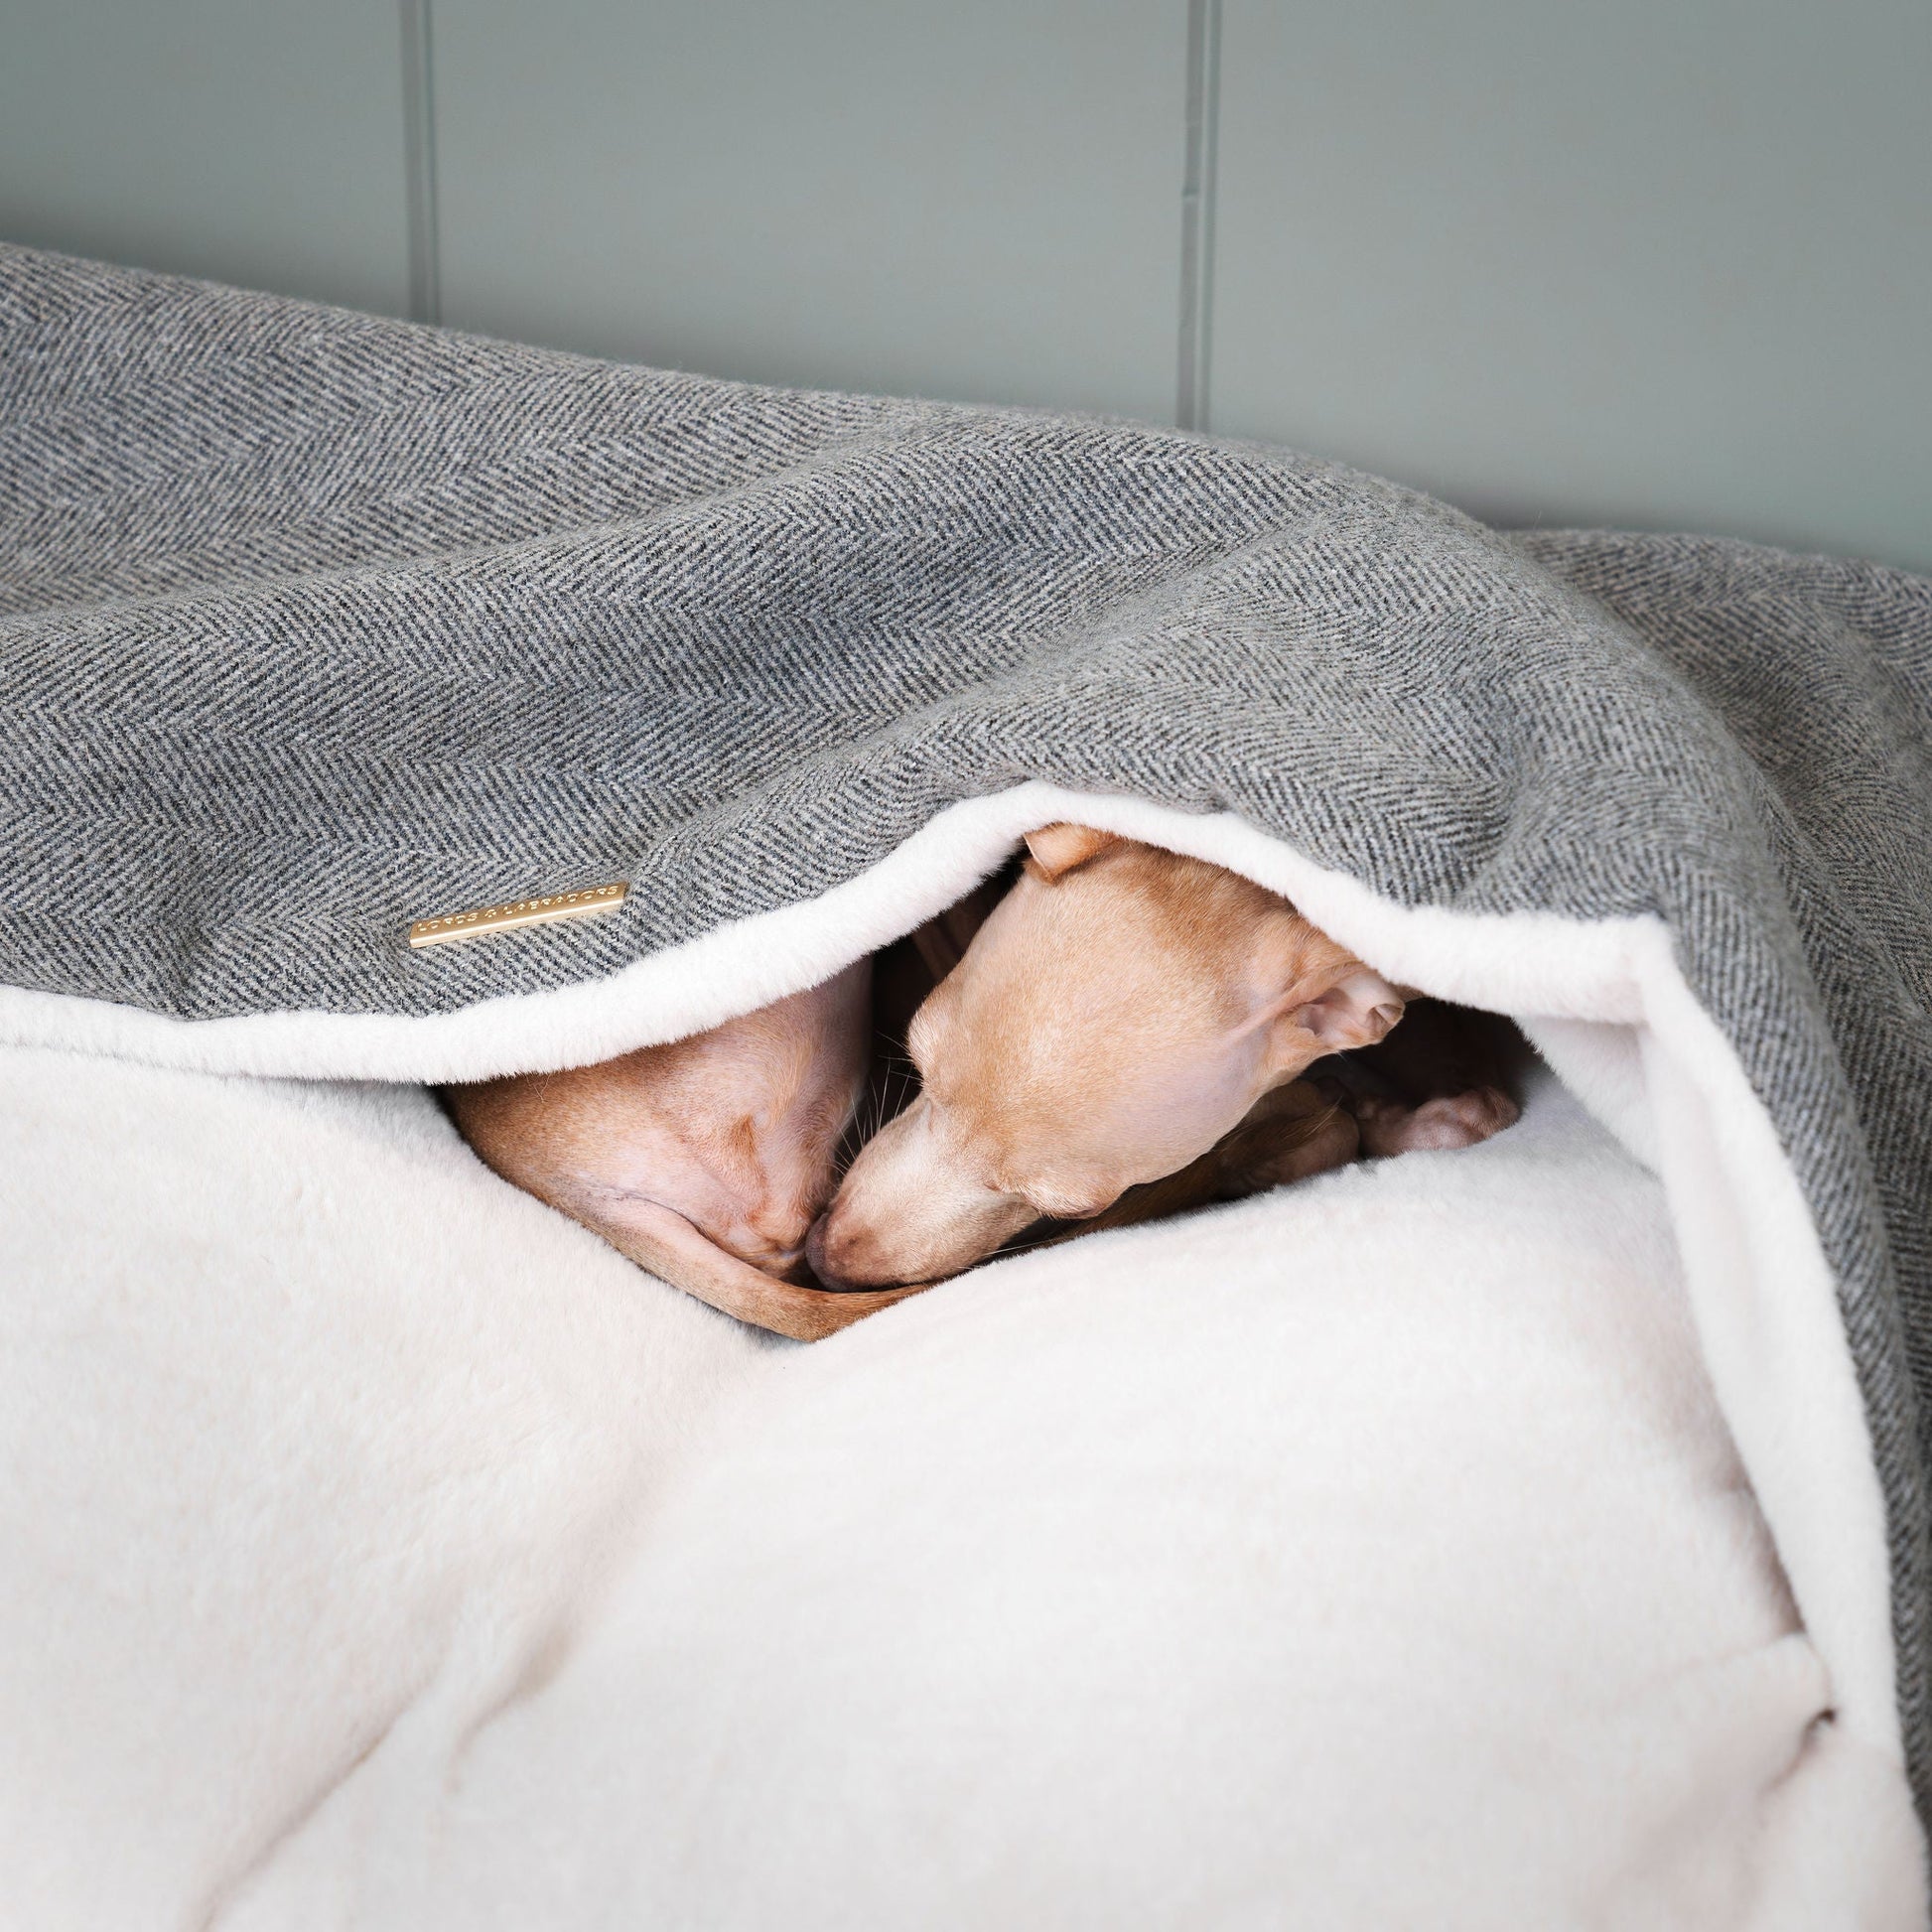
{"x": 318, "y": 624}
{"x": 384, "y": 1551}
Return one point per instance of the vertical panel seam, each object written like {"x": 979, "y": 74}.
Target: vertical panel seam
{"x": 419, "y": 169}
{"x": 1197, "y": 187}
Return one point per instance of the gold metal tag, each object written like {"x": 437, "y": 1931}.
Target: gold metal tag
{"x": 519, "y": 911}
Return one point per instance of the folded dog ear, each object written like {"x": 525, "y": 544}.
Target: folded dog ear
{"x": 1060, "y": 849}
{"x": 1356, "y": 1010}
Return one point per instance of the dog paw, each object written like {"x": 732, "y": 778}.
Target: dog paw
{"x": 1455, "y": 1120}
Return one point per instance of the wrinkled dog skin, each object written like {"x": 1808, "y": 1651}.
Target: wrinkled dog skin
{"x": 705, "y": 1159}
{"x": 1121, "y": 1012}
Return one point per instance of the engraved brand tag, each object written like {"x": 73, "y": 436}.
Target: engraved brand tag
{"x": 519, "y": 911}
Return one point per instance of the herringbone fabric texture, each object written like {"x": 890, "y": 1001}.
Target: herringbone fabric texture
{"x": 314, "y": 624}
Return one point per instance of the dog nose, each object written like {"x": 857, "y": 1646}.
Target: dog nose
{"x": 828, "y": 1276}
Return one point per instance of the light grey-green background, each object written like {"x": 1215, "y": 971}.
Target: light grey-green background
{"x": 1663, "y": 263}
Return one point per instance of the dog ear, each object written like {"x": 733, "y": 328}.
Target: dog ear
{"x": 1329, "y": 1011}
{"x": 1356, "y": 1010}
{"x": 1060, "y": 849}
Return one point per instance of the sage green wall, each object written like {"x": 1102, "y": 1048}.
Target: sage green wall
{"x": 250, "y": 141}
{"x": 1660, "y": 262}
{"x": 1664, "y": 263}
{"x": 966, "y": 201}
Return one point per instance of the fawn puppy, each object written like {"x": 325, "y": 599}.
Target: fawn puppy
{"x": 1124, "y": 1037}
{"x": 1120, "y": 1013}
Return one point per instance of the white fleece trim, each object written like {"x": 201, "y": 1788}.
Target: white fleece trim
{"x": 1602, "y": 1063}
{"x": 749, "y": 964}
{"x": 1661, "y": 1074}
{"x": 1766, "y": 1312}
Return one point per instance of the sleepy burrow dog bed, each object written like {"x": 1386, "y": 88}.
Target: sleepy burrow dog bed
{"x": 1531, "y": 1535}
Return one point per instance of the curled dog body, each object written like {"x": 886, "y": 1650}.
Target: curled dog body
{"x": 705, "y": 1159}
{"x": 1118, "y": 1032}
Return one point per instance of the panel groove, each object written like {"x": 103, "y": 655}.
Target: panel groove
{"x": 419, "y": 143}
{"x": 1197, "y": 214}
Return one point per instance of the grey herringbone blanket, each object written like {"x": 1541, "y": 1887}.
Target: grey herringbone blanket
{"x": 315, "y": 623}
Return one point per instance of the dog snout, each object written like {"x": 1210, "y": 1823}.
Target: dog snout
{"x": 822, "y": 1271}
{"x": 836, "y": 1261}
{"x": 770, "y": 1230}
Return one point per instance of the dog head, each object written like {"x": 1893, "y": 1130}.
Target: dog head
{"x": 1121, "y": 1010}
{"x": 734, "y": 1130}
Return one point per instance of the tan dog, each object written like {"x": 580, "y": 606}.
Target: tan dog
{"x": 1120, "y": 1015}
{"x": 705, "y": 1159}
